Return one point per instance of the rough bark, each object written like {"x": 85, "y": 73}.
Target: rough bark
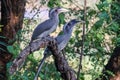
{"x": 61, "y": 63}
{"x": 34, "y": 46}
{"x": 12, "y": 13}
{"x": 12, "y": 17}
{"x": 112, "y": 66}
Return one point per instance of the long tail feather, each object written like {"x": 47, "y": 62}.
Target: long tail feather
{"x": 39, "y": 68}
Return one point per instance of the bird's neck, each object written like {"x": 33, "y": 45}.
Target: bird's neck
{"x": 55, "y": 18}
{"x": 68, "y": 34}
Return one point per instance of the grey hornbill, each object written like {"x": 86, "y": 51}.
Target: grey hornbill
{"x": 61, "y": 40}
{"x": 41, "y": 31}
{"x": 48, "y": 26}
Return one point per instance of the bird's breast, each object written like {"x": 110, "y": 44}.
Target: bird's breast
{"x": 53, "y": 28}
{"x": 47, "y": 32}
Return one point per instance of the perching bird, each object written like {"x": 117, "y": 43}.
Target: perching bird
{"x": 41, "y": 31}
{"x": 62, "y": 41}
{"x": 48, "y": 26}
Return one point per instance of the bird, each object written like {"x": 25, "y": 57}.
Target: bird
{"x": 41, "y": 31}
{"x": 61, "y": 40}
{"x": 48, "y": 26}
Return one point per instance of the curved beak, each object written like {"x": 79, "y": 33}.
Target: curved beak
{"x": 63, "y": 10}
{"x": 77, "y": 21}
{"x": 81, "y": 21}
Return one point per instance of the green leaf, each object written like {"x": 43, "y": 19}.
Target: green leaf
{"x": 10, "y": 49}
{"x": 100, "y": 36}
{"x": 92, "y": 12}
{"x": 50, "y": 4}
{"x": 99, "y": 6}
{"x": 53, "y": 3}
{"x": 114, "y": 27}
{"x": 98, "y": 24}
{"x": 110, "y": 73}
{"x": 118, "y": 41}
{"x": 9, "y": 64}
{"x": 109, "y": 1}
{"x": 61, "y": 18}
{"x": 42, "y": 76}
{"x": 103, "y": 15}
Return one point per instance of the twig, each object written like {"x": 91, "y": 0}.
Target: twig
{"x": 83, "y": 39}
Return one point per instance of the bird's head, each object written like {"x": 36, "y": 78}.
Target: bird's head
{"x": 68, "y": 27}
{"x": 56, "y": 11}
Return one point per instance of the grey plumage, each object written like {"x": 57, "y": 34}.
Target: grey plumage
{"x": 45, "y": 28}
{"x": 48, "y": 26}
{"x": 62, "y": 41}
{"x": 42, "y": 30}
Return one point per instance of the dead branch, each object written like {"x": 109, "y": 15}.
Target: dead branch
{"x": 83, "y": 40}
{"x": 34, "y": 46}
{"x": 61, "y": 63}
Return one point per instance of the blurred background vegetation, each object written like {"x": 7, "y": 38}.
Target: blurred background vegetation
{"x": 102, "y": 35}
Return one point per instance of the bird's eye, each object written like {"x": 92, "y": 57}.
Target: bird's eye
{"x": 56, "y": 10}
{"x": 69, "y": 24}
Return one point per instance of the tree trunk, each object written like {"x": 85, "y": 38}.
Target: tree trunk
{"x": 112, "y": 67}
{"x": 12, "y": 13}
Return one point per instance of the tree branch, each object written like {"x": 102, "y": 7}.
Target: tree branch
{"x": 34, "y": 46}
{"x": 61, "y": 63}
{"x": 83, "y": 40}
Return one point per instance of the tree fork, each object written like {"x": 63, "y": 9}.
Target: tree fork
{"x": 61, "y": 63}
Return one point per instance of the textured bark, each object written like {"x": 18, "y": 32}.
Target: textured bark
{"x": 61, "y": 63}
{"x": 12, "y": 12}
{"x": 12, "y": 17}
{"x": 34, "y": 46}
{"x": 113, "y": 66}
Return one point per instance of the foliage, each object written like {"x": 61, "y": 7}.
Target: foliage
{"x": 102, "y": 35}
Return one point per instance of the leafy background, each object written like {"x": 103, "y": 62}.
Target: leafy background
{"x": 102, "y": 35}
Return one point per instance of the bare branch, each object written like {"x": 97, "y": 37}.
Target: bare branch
{"x": 61, "y": 63}
{"x": 83, "y": 39}
{"x": 34, "y": 46}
